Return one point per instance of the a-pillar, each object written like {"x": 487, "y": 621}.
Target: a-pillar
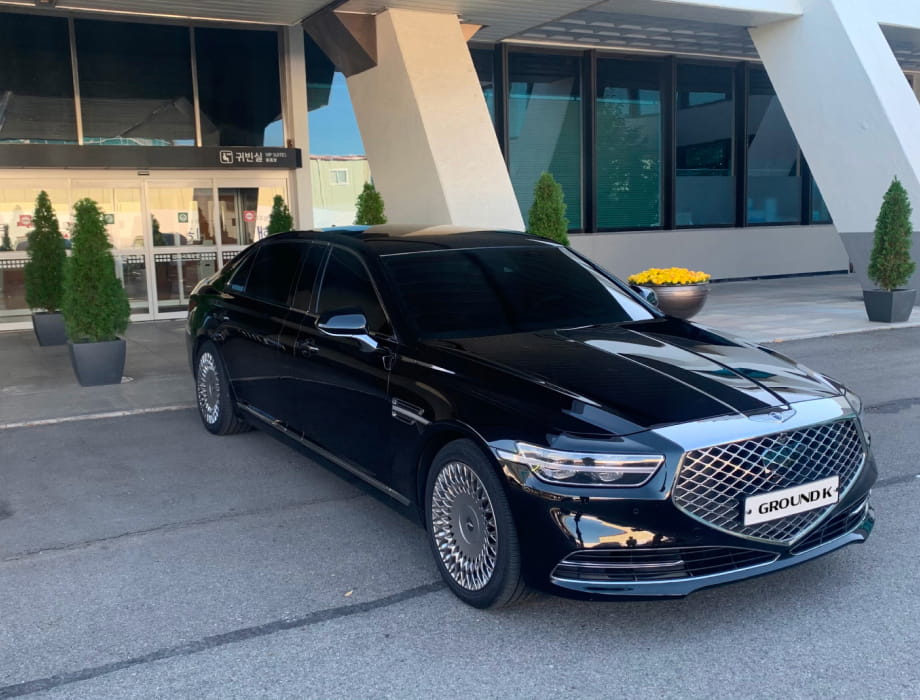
{"x": 433, "y": 152}
{"x": 852, "y": 110}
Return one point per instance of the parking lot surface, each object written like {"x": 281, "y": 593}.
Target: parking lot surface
{"x": 141, "y": 557}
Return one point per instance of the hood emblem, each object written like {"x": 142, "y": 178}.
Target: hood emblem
{"x": 775, "y": 416}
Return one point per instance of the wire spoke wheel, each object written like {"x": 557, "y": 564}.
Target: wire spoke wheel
{"x": 464, "y": 526}
{"x": 208, "y": 388}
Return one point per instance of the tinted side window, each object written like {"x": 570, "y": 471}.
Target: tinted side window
{"x": 309, "y": 270}
{"x": 346, "y": 285}
{"x": 241, "y": 274}
{"x": 273, "y": 271}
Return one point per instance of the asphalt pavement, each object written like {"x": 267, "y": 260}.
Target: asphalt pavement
{"x": 141, "y": 557}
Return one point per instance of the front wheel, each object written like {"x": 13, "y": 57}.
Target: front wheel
{"x": 470, "y": 528}
{"x": 212, "y": 389}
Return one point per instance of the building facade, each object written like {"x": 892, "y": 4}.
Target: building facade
{"x": 686, "y": 133}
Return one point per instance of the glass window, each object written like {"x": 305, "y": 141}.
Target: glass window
{"x": 245, "y": 212}
{"x": 181, "y": 215}
{"x": 820, "y": 214}
{"x": 544, "y": 127}
{"x": 496, "y": 291}
{"x": 338, "y": 164}
{"x": 705, "y": 188}
{"x": 121, "y": 207}
{"x": 303, "y": 291}
{"x": 241, "y": 274}
{"x": 36, "y": 82}
{"x": 239, "y": 87}
{"x": 483, "y": 62}
{"x": 272, "y": 273}
{"x": 628, "y": 124}
{"x": 135, "y": 84}
{"x": 347, "y": 285}
{"x": 773, "y": 164}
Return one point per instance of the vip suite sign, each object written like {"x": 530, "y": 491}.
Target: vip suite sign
{"x": 257, "y": 157}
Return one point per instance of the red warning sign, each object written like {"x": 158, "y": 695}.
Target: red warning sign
{"x": 249, "y": 216}
{"x": 25, "y": 220}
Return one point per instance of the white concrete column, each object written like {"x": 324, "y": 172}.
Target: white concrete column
{"x": 852, "y": 111}
{"x": 426, "y": 128}
{"x": 296, "y": 123}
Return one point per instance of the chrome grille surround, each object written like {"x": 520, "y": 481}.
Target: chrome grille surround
{"x": 711, "y": 482}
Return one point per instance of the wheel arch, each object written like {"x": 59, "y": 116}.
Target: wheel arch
{"x": 436, "y": 437}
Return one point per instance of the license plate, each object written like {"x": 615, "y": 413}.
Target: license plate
{"x": 774, "y": 505}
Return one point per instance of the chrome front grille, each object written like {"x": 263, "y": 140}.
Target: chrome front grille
{"x": 712, "y": 482}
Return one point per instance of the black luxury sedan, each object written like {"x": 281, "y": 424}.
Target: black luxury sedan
{"x": 553, "y": 428}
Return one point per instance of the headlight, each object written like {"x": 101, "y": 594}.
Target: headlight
{"x": 584, "y": 468}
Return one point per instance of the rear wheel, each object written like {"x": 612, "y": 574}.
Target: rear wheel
{"x": 212, "y": 389}
{"x": 470, "y": 528}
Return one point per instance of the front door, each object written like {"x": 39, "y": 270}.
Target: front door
{"x": 342, "y": 383}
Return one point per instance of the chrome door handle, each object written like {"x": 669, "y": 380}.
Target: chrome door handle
{"x": 305, "y": 348}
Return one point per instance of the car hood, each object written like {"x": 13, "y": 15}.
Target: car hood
{"x": 630, "y": 377}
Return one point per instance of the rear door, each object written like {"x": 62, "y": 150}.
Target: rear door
{"x": 251, "y": 315}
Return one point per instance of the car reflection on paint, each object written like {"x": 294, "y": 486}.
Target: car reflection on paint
{"x": 553, "y": 429}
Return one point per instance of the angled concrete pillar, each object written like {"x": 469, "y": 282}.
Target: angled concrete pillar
{"x": 430, "y": 141}
{"x": 852, "y": 111}
{"x": 296, "y": 130}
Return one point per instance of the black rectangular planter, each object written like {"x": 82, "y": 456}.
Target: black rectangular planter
{"x": 98, "y": 363}
{"x": 49, "y": 328}
{"x": 889, "y": 307}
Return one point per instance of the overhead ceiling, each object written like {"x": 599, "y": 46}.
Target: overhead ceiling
{"x": 702, "y": 27}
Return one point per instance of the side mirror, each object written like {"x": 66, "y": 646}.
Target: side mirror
{"x": 346, "y": 324}
{"x": 646, "y": 293}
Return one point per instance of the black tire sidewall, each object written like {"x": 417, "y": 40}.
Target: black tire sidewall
{"x": 507, "y": 575}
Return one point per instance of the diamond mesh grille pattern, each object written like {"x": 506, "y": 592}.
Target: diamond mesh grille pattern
{"x": 712, "y": 482}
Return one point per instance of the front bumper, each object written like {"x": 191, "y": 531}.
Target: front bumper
{"x": 639, "y": 543}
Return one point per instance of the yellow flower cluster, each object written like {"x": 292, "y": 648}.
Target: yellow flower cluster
{"x": 669, "y": 275}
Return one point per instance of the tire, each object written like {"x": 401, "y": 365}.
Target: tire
{"x": 212, "y": 391}
{"x": 463, "y": 494}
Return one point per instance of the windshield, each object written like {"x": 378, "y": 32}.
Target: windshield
{"x": 494, "y": 291}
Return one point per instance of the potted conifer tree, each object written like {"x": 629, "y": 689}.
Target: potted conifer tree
{"x": 96, "y": 309}
{"x": 44, "y": 274}
{"x": 370, "y": 207}
{"x": 280, "y": 220}
{"x": 890, "y": 266}
{"x": 547, "y": 213}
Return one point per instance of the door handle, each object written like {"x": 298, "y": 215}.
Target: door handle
{"x": 305, "y": 347}
{"x": 222, "y": 316}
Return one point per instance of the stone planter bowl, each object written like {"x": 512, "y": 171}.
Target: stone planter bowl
{"x": 681, "y": 300}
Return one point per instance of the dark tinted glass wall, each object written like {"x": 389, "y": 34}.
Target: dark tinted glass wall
{"x": 36, "y": 80}
{"x": 628, "y": 127}
{"x": 135, "y": 83}
{"x": 483, "y": 62}
{"x": 239, "y": 87}
{"x": 773, "y": 166}
{"x": 705, "y": 108}
{"x": 545, "y": 126}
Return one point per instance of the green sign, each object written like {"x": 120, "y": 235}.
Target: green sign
{"x": 183, "y": 217}
{"x": 109, "y": 219}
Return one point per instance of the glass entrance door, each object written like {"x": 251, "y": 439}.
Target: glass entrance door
{"x": 244, "y": 213}
{"x": 183, "y": 240}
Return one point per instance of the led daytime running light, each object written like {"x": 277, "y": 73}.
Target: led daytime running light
{"x": 585, "y": 468}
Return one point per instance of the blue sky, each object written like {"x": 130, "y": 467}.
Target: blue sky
{"x": 333, "y": 128}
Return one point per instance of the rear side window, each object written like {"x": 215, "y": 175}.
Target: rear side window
{"x": 272, "y": 272}
{"x": 240, "y": 274}
{"x": 347, "y": 285}
{"x": 306, "y": 281}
